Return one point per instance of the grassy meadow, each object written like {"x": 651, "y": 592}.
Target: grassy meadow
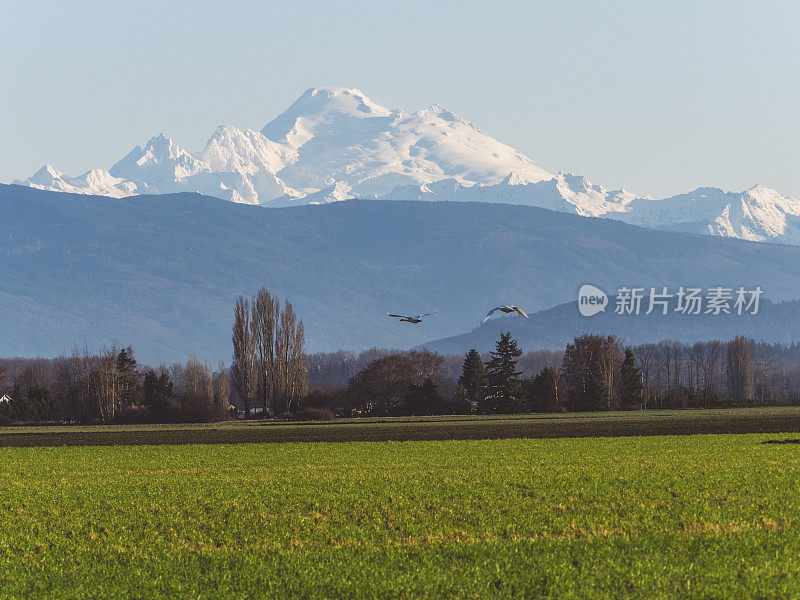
{"x": 700, "y": 516}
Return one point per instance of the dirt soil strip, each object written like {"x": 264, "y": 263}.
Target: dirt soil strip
{"x": 681, "y": 424}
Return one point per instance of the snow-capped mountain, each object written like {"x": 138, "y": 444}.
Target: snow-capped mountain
{"x": 757, "y": 214}
{"x": 335, "y": 144}
{"x": 329, "y": 137}
{"x": 340, "y": 135}
{"x": 97, "y": 182}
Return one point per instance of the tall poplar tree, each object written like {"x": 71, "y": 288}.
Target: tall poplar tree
{"x": 244, "y": 368}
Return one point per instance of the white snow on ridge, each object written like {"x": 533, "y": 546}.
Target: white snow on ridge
{"x": 335, "y": 143}
{"x": 564, "y": 193}
{"x": 757, "y": 214}
{"x": 337, "y": 192}
{"x": 248, "y": 151}
{"x": 161, "y": 164}
{"x": 94, "y": 182}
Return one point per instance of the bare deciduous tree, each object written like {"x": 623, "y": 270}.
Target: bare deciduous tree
{"x": 290, "y": 368}
{"x": 222, "y": 387}
{"x": 244, "y": 368}
{"x": 739, "y": 368}
{"x": 198, "y": 398}
{"x": 266, "y": 310}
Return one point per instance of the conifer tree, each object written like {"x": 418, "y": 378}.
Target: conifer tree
{"x": 127, "y": 369}
{"x": 424, "y": 399}
{"x": 503, "y": 375}
{"x": 158, "y": 391}
{"x": 473, "y": 374}
{"x": 630, "y": 390}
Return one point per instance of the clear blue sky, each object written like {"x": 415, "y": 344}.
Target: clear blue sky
{"x": 658, "y": 97}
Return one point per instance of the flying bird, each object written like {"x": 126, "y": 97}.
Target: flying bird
{"x": 414, "y": 319}
{"x": 506, "y": 309}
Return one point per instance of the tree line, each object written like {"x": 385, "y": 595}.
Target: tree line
{"x": 111, "y": 387}
{"x": 271, "y": 372}
{"x": 593, "y": 373}
{"x": 268, "y": 369}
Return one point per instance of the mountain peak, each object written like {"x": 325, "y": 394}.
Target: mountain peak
{"x": 321, "y": 101}
{"x": 318, "y": 106}
{"x": 161, "y": 163}
{"x": 46, "y": 173}
{"x": 226, "y": 129}
{"x": 341, "y": 95}
{"x": 513, "y": 179}
{"x": 162, "y": 147}
{"x": 759, "y": 190}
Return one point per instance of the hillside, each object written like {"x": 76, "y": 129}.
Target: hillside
{"x": 554, "y": 328}
{"x": 162, "y": 272}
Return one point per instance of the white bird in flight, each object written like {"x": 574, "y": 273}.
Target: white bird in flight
{"x": 414, "y": 319}
{"x": 506, "y": 308}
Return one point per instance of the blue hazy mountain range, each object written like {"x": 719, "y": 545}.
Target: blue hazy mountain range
{"x": 553, "y": 328}
{"x": 162, "y": 272}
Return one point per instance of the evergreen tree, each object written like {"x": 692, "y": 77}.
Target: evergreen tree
{"x": 158, "y": 391}
{"x": 128, "y": 377}
{"x": 630, "y": 382}
{"x": 504, "y": 389}
{"x": 473, "y": 374}
{"x": 424, "y": 399}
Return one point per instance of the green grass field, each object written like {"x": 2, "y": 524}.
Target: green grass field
{"x": 702, "y": 516}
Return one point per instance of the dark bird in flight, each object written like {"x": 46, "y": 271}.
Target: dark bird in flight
{"x": 414, "y": 319}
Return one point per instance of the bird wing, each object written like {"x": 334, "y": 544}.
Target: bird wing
{"x": 398, "y": 316}
{"x": 489, "y": 314}
{"x": 426, "y": 314}
{"x": 520, "y": 311}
